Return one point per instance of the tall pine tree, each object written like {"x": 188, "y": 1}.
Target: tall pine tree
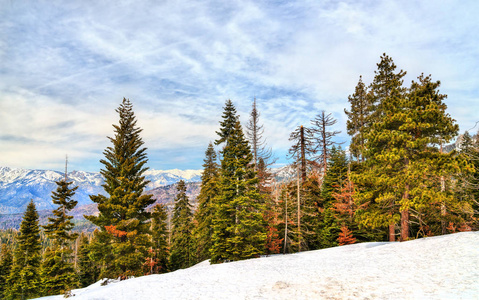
{"x": 182, "y": 243}
{"x": 357, "y": 119}
{"x": 58, "y": 273}
{"x": 239, "y": 229}
{"x": 24, "y": 280}
{"x": 6, "y": 262}
{"x": 205, "y": 211}
{"x": 86, "y": 269}
{"x": 123, "y": 213}
{"x": 159, "y": 236}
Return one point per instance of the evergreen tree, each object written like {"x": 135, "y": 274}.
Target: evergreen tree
{"x": 385, "y": 83}
{"x": 385, "y": 88}
{"x": 357, "y": 119}
{"x": 228, "y": 124}
{"x": 328, "y": 227}
{"x": 205, "y": 211}
{"x": 86, "y": 268}
{"x": 239, "y": 229}
{"x": 123, "y": 213}
{"x": 58, "y": 273}
{"x": 159, "y": 235}
{"x": 404, "y": 162}
{"x": 310, "y": 206}
{"x": 182, "y": 243}
{"x": 5, "y": 268}
{"x": 346, "y": 236}
{"x": 24, "y": 280}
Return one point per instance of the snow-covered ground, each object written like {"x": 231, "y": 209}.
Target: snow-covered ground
{"x": 444, "y": 267}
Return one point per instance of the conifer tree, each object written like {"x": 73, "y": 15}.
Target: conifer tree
{"x": 328, "y": 228}
{"x": 159, "y": 236}
{"x": 123, "y": 215}
{"x": 357, "y": 119}
{"x": 228, "y": 124}
{"x": 385, "y": 83}
{"x": 58, "y": 273}
{"x": 6, "y": 262}
{"x": 404, "y": 157}
{"x": 385, "y": 88}
{"x": 310, "y": 212}
{"x": 205, "y": 211}
{"x": 239, "y": 229}
{"x": 288, "y": 221}
{"x": 24, "y": 280}
{"x": 182, "y": 243}
{"x": 86, "y": 268}
{"x": 262, "y": 160}
{"x": 346, "y": 236}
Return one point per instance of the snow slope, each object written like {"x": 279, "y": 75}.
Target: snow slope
{"x": 444, "y": 267}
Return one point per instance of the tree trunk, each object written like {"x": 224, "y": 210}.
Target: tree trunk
{"x": 443, "y": 205}
{"x": 404, "y": 225}
{"x": 299, "y": 215}
{"x": 392, "y": 233}
{"x": 405, "y": 217}
{"x": 303, "y": 155}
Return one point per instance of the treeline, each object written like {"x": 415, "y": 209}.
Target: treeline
{"x": 396, "y": 182}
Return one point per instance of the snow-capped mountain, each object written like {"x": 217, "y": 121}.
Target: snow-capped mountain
{"x": 18, "y": 186}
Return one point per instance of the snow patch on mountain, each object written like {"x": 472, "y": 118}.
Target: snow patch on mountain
{"x": 18, "y": 186}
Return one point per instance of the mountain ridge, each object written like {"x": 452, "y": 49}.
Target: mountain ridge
{"x": 18, "y": 186}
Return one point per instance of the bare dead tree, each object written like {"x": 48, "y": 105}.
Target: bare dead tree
{"x": 302, "y": 148}
{"x": 254, "y": 134}
{"x": 323, "y": 138}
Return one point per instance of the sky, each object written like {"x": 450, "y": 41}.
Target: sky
{"x": 65, "y": 67}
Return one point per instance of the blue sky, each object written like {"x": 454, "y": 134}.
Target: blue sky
{"x": 66, "y": 65}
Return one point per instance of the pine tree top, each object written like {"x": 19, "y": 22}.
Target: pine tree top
{"x": 59, "y": 227}
{"x": 230, "y": 118}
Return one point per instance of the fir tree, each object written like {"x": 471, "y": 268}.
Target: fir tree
{"x": 469, "y": 150}
{"x": 58, "y": 274}
{"x": 205, "y": 212}
{"x": 310, "y": 212}
{"x": 239, "y": 229}
{"x": 346, "y": 237}
{"x": 6, "y": 262}
{"x": 182, "y": 243}
{"x": 86, "y": 268}
{"x": 328, "y": 227}
{"x": 159, "y": 236}
{"x": 228, "y": 124}
{"x": 357, "y": 119}
{"x": 123, "y": 212}
{"x": 24, "y": 280}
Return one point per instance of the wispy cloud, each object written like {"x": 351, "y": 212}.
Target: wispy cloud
{"x": 66, "y": 66}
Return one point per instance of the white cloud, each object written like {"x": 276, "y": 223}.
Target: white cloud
{"x": 72, "y": 63}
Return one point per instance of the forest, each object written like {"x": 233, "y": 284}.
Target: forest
{"x": 407, "y": 173}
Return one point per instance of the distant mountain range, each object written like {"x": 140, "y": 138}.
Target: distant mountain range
{"x": 18, "y": 186}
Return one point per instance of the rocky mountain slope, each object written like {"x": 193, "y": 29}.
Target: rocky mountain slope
{"x": 18, "y": 186}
